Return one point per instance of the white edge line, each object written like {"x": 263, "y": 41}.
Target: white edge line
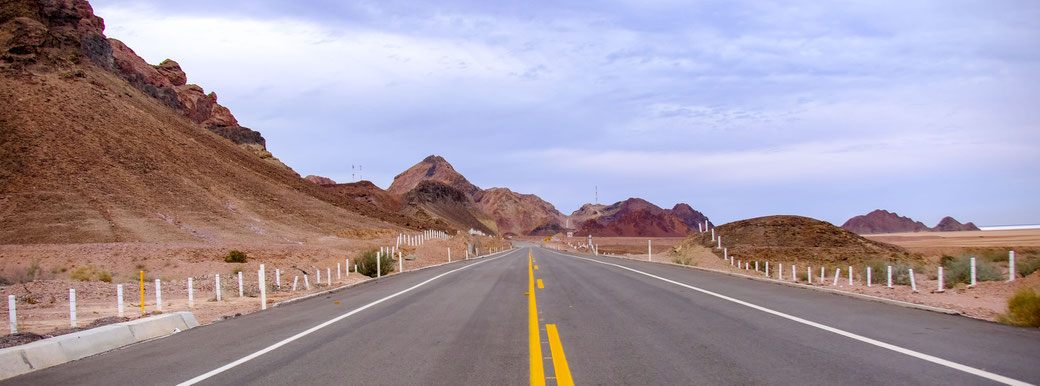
{"x": 919, "y": 355}
{"x": 290, "y": 339}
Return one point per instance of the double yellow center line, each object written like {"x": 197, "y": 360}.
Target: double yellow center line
{"x": 563, "y": 372}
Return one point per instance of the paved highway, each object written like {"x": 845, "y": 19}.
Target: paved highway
{"x": 596, "y": 320}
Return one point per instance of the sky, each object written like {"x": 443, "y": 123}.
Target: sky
{"x": 739, "y": 108}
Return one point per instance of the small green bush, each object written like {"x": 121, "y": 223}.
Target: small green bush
{"x": 1023, "y": 309}
{"x": 958, "y": 270}
{"x": 366, "y": 263}
{"x": 235, "y": 256}
{"x": 684, "y": 260}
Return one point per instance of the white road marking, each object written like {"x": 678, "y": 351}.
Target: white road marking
{"x": 915, "y": 354}
{"x": 288, "y": 340}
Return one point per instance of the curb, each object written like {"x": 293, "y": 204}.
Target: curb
{"x": 372, "y": 280}
{"x": 806, "y": 286}
{"x": 61, "y": 349}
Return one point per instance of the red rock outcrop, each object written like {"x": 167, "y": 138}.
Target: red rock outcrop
{"x": 883, "y": 221}
{"x": 519, "y": 214}
{"x": 323, "y": 181}
{"x": 636, "y": 217}
{"x": 693, "y": 219}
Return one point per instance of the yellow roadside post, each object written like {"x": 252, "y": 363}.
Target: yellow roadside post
{"x": 142, "y": 291}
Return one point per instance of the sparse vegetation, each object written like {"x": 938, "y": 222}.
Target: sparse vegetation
{"x": 1023, "y": 309}
{"x": 90, "y": 273}
{"x": 1028, "y": 266}
{"x": 235, "y": 256}
{"x": 802, "y": 276}
{"x": 366, "y": 263}
{"x": 958, "y": 270}
{"x": 684, "y": 260}
{"x": 879, "y": 272}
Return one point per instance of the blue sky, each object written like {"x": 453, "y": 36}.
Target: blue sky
{"x": 739, "y": 108}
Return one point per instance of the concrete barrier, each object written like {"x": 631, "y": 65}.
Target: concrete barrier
{"x": 54, "y": 351}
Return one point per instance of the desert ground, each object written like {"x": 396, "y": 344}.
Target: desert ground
{"x": 40, "y": 276}
{"x": 987, "y": 300}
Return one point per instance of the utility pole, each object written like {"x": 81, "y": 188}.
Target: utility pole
{"x": 597, "y": 194}
{"x": 352, "y": 174}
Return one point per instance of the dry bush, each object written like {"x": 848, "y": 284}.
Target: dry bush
{"x": 90, "y": 273}
{"x": 1023, "y": 309}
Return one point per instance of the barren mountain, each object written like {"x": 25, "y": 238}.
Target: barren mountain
{"x": 94, "y": 149}
{"x": 434, "y": 168}
{"x": 519, "y": 214}
{"x": 636, "y": 217}
{"x": 796, "y": 238}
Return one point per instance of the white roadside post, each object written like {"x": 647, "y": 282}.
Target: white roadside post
{"x": 850, "y": 275}
{"x": 767, "y": 269}
{"x": 941, "y": 284}
{"x": 1011, "y": 265}
{"x": 756, "y": 265}
{"x": 712, "y": 234}
{"x": 191, "y": 293}
{"x": 12, "y": 316}
{"x": 158, "y": 295}
{"x": 348, "y": 268}
{"x": 808, "y": 276}
{"x": 837, "y": 273}
{"x": 379, "y": 270}
{"x": 913, "y": 283}
{"x": 119, "y": 299}
{"x": 72, "y": 307}
{"x": 725, "y": 254}
{"x": 720, "y": 242}
{"x": 339, "y": 272}
{"x": 218, "y": 286}
{"x": 823, "y": 276}
{"x": 318, "y": 270}
{"x": 890, "y": 276}
{"x": 263, "y": 289}
{"x": 328, "y": 275}
{"x": 972, "y": 272}
{"x": 780, "y": 271}
{"x": 649, "y": 251}
{"x": 747, "y": 266}
{"x": 239, "y": 283}
{"x": 278, "y": 278}
{"x": 306, "y": 282}
{"x": 868, "y": 276}
{"x": 449, "y": 255}
{"x": 794, "y": 270}
{"x": 295, "y": 281}
{"x": 400, "y": 262}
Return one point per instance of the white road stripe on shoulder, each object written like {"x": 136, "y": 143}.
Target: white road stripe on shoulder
{"x": 288, "y": 340}
{"x": 915, "y": 354}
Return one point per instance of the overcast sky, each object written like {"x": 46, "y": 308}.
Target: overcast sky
{"x": 739, "y": 108}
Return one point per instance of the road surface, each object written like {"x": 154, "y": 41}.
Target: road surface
{"x": 598, "y": 320}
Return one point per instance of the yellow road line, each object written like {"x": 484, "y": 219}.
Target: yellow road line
{"x": 563, "y": 372}
{"x": 540, "y": 285}
{"x": 537, "y": 367}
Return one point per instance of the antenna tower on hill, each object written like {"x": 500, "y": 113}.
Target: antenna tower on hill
{"x": 597, "y": 195}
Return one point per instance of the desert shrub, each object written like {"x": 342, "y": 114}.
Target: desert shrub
{"x": 802, "y": 276}
{"x": 1023, "y": 309}
{"x": 958, "y": 270}
{"x": 684, "y": 260}
{"x": 90, "y": 273}
{"x": 366, "y": 263}
{"x": 879, "y": 272}
{"x": 235, "y": 256}
{"x": 1027, "y": 267}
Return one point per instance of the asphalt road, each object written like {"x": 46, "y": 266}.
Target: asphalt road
{"x": 617, "y": 321}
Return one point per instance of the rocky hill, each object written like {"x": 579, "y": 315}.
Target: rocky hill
{"x": 520, "y": 214}
{"x": 96, "y": 146}
{"x": 432, "y": 168}
{"x": 883, "y": 221}
{"x": 795, "y": 238}
{"x": 437, "y": 200}
{"x": 949, "y": 224}
{"x": 693, "y": 219}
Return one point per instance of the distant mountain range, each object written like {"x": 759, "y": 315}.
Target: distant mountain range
{"x": 883, "y": 221}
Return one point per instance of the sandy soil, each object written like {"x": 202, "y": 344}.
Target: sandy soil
{"x": 43, "y": 303}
